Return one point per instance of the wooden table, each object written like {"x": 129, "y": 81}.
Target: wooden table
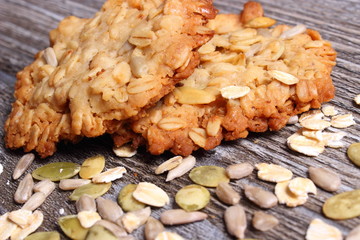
{"x": 24, "y": 27}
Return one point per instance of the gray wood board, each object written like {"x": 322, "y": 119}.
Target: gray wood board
{"x": 24, "y": 27}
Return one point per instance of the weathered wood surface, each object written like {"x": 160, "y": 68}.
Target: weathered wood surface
{"x": 24, "y": 27}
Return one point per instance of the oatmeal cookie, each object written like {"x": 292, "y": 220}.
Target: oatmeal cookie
{"x": 102, "y": 70}
{"x": 251, "y": 78}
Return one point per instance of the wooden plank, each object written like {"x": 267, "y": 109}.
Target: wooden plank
{"x": 24, "y": 27}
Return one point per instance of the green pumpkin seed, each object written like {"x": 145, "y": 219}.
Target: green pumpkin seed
{"x": 92, "y": 189}
{"x": 342, "y": 206}
{"x": 353, "y": 153}
{"x": 99, "y": 232}
{"x": 192, "y": 197}
{"x": 56, "y": 171}
{"x": 92, "y": 166}
{"x": 208, "y": 176}
{"x": 44, "y": 236}
{"x": 72, "y": 228}
{"x": 127, "y": 202}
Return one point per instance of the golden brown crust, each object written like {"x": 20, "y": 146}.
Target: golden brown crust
{"x": 183, "y": 121}
{"x": 105, "y": 69}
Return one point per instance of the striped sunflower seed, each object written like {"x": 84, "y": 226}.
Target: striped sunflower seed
{"x": 56, "y": 171}
{"x": 35, "y": 222}
{"x": 186, "y": 165}
{"x": 126, "y": 200}
{"x": 97, "y": 231}
{"x": 151, "y": 194}
{"x": 227, "y": 194}
{"x": 44, "y": 236}
{"x": 45, "y": 186}
{"x": 110, "y": 175}
{"x": 22, "y": 165}
{"x": 179, "y": 216}
{"x": 240, "y": 170}
{"x": 108, "y": 209}
{"x": 169, "y": 164}
{"x": 24, "y": 190}
{"x": 88, "y": 218}
{"x": 85, "y": 203}
{"x": 92, "y": 166}
{"x": 117, "y": 230}
{"x": 263, "y": 221}
{"x": 152, "y": 228}
{"x": 208, "y": 176}
{"x": 135, "y": 219}
{"x": 71, "y": 184}
{"x": 92, "y": 189}
{"x": 325, "y": 178}
{"x": 192, "y": 197}
{"x": 34, "y": 201}
{"x": 260, "y": 197}
{"x": 235, "y": 221}
{"x": 72, "y": 228}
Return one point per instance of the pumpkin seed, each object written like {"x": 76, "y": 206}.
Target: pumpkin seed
{"x": 56, "y": 171}
{"x": 345, "y": 205}
{"x": 353, "y": 153}
{"x": 127, "y": 202}
{"x": 72, "y": 228}
{"x": 92, "y": 189}
{"x": 44, "y": 236}
{"x": 208, "y": 176}
{"x": 92, "y": 166}
{"x": 192, "y": 197}
{"x": 98, "y": 231}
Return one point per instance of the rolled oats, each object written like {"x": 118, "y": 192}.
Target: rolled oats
{"x": 169, "y": 164}
{"x": 263, "y": 221}
{"x": 283, "y": 77}
{"x": 187, "y": 164}
{"x": 273, "y": 173}
{"x": 35, "y": 221}
{"x": 329, "y": 110}
{"x": 22, "y": 165}
{"x": 170, "y": 124}
{"x": 325, "y": 178}
{"x": 135, "y": 219}
{"x": 7, "y": 227}
{"x": 313, "y": 114}
{"x": 109, "y": 175}
{"x": 124, "y": 151}
{"x": 333, "y": 140}
{"x": 319, "y": 230}
{"x": 260, "y": 197}
{"x": 302, "y": 186}
{"x": 235, "y": 221}
{"x": 305, "y": 145}
{"x": 21, "y": 217}
{"x": 315, "y": 124}
{"x": 88, "y": 218}
{"x": 342, "y": 121}
{"x": 233, "y": 92}
{"x": 24, "y": 189}
{"x": 314, "y": 134}
{"x": 285, "y": 196}
{"x": 179, "y": 216}
{"x": 151, "y": 194}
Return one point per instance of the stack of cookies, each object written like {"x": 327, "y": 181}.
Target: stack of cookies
{"x": 169, "y": 74}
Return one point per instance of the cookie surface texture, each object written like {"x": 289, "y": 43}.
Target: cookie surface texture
{"x": 103, "y": 70}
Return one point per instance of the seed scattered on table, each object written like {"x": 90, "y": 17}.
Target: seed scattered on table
{"x": 227, "y": 194}
{"x": 85, "y": 203}
{"x": 168, "y": 236}
{"x": 45, "y": 186}
{"x": 126, "y": 200}
{"x": 21, "y": 217}
{"x": 71, "y": 184}
{"x": 353, "y": 153}
{"x": 235, "y": 221}
{"x": 92, "y": 189}
{"x": 169, "y": 164}
{"x": 109, "y": 175}
{"x": 325, "y": 178}
{"x": 34, "y": 201}
{"x": 92, "y": 166}
{"x": 240, "y": 170}
{"x": 263, "y": 221}
{"x": 22, "y": 165}
{"x": 72, "y": 228}
{"x": 44, "y": 236}
{"x": 342, "y": 121}
{"x": 88, "y": 218}
{"x": 97, "y": 231}
{"x": 273, "y": 173}
{"x": 208, "y": 176}
{"x": 357, "y": 99}
{"x": 133, "y": 220}
{"x": 56, "y": 171}
{"x": 150, "y": 194}
{"x": 342, "y": 206}
{"x": 302, "y": 186}
{"x": 329, "y": 110}
{"x": 152, "y": 228}
{"x": 260, "y": 197}
{"x": 179, "y": 216}
{"x": 192, "y": 197}
{"x": 24, "y": 189}
{"x": 319, "y": 230}
{"x": 186, "y": 165}
{"x": 108, "y": 209}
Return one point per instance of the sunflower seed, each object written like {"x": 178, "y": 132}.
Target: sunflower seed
{"x": 92, "y": 166}
{"x": 168, "y": 236}
{"x": 126, "y": 200}
{"x": 186, "y": 165}
{"x": 97, "y": 231}
{"x": 354, "y": 234}
{"x": 35, "y": 221}
{"x": 124, "y": 151}
{"x": 152, "y": 228}
{"x": 227, "y": 194}
{"x": 353, "y": 153}
{"x": 56, "y": 171}
{"x": 21, "y": 217}
{"x": 240, "y": 170}
{"x": 92, "y": 189}
{"x": 72, "y": 228}
{"x": 71, "y": 184}
{"x": 263, "y": 221}
{"x": 319, "y": 230}
{"x": 235, "y": 221}
{"x": 260, "y": 197}
{"x": 135, "y": 219}
{"x": 110, "y": 175}
{"x": 85, "y": 203}
{"x": 192, "y": 197}
{"x": 208, "y": 176}
{"x": 117, "y": 230}
{"x": 45, "y": 186}
{"x": 169, "y": 164}
{"x": 179, "y": 216}
{"x": 88, "y": 218}
{"x": 24, "y": 190}
{"x": 7, "y": 227}
{"x": 325, "y": 178}
{"x": 342, "y": 206}
{"x": 50, "y": 56}
{"x": 23, "y": 164}
{"x": 44, "y": 236}
{"x": 151, "y": 194}
{"x": 35, "y": 201}
{"x": 108, "y": 209}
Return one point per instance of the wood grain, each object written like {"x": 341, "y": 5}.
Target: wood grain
{"x": 24, "y": 27}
